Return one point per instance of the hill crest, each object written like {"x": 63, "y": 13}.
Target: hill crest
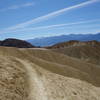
{"x": 11, "y": 42}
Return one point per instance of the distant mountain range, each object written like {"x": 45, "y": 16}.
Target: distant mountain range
{"x": 49, "y": 41}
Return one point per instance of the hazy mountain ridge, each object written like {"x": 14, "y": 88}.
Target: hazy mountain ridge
{"x": 49, "y": 41}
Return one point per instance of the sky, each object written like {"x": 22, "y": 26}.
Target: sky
{"x": 28, "y": 19}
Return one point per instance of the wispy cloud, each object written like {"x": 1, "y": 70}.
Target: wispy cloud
{"x": 14, "y": 7}
{"x": 52, "y": 26}
{"x": 53, "y": 14}
{"x": 60, "y": 25}
{"x": 48, "y": 16}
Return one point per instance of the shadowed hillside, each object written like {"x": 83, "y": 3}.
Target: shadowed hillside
{"x": 41, "y": 74}
{"x": 15, "y": 43}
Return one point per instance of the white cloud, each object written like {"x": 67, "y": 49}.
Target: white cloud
{"x": 52, "y": 26}
{"x": 48, "y": 16}
{"x": 17, "y": 6}
{"x": 61, "y": 25}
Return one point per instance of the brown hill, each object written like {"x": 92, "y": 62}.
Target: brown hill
{"x": 16, "y": 43}
{"x": 74, "y": 43}
{"x": 41, "y": 74}
{"x": 88, "y": 51}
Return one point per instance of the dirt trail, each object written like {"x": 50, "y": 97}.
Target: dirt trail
{"x": 37, "y": 89}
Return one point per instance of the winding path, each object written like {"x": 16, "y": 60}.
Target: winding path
{"x": 37, "y": 89}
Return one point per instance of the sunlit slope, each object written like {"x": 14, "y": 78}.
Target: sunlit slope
{"x": 39, "y": 74}
{"x": 13, "y": 79}
{"x": 86, "y": 51}
{"x": 64, "y": 65}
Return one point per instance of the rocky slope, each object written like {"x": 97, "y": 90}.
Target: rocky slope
{"x": 41, "y": 74}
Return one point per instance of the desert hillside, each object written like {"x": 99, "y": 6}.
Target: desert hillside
{"x": 88, "y": 51}
{"x": 42, "y": 74}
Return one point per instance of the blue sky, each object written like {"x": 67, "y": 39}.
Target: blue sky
{"x": 27, "y": 19}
